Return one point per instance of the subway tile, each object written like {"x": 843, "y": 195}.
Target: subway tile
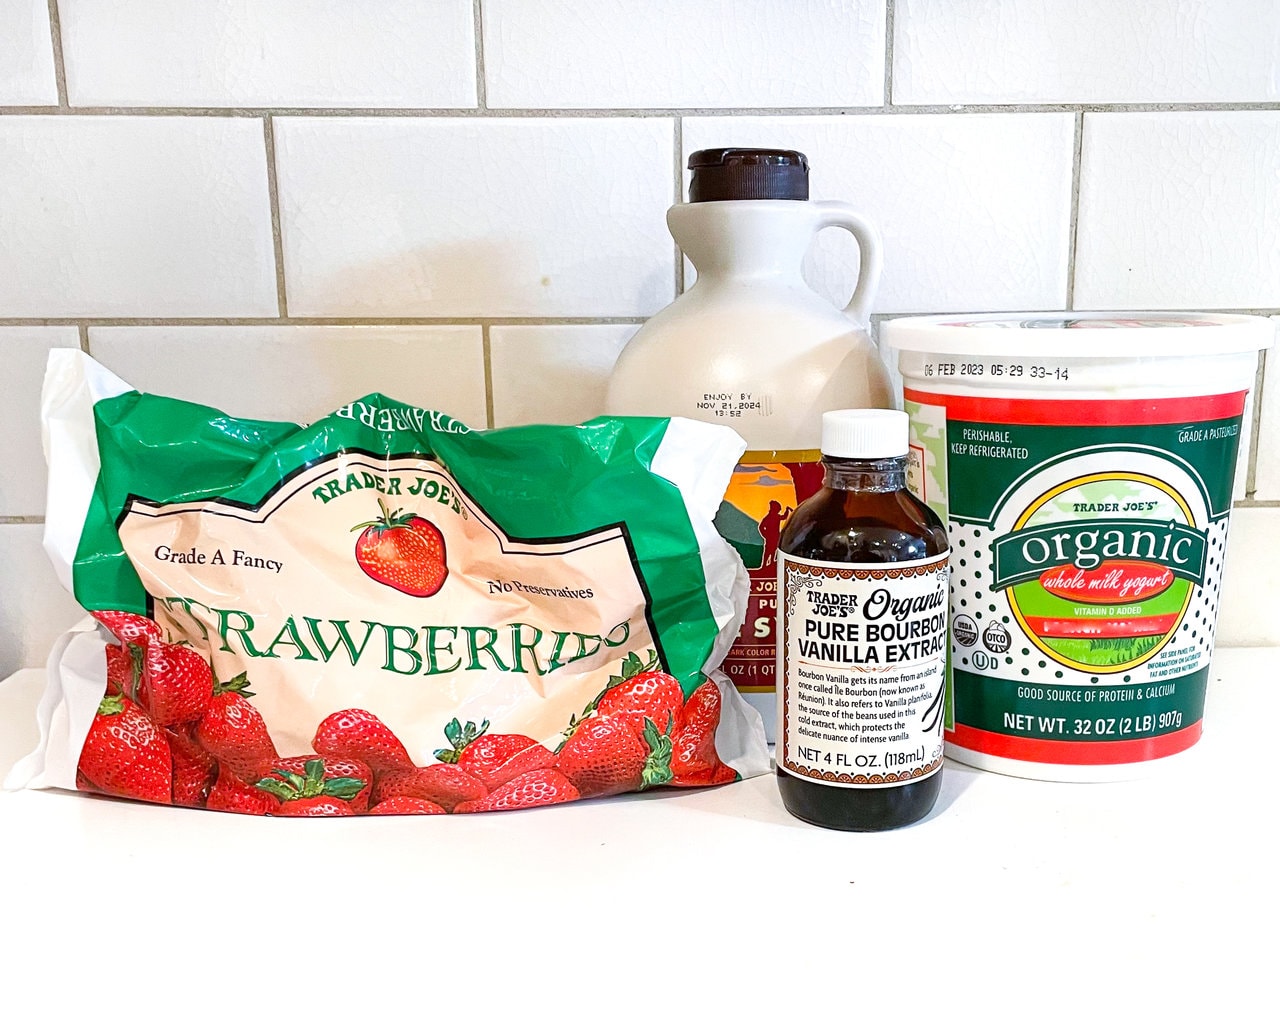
{"x": 552, "y": 373}
{"x": 974, "y": 209}
{"x": 470, "y": 217}
{"x": 134, "y": 216}
{"x": 246, "y": 53}
{"x": 1267, "y": 467}
{"x": 678, "y": 53}
{"x": 1088, "y": 51}
{"x": 26, "y": 54}
{"x": 23, "y": 353}
{"x": 1249, "y": 612}
{"x": 299, "y": 374}
{"x": 1178, "y": 210}
{"x": 34, "y": 608}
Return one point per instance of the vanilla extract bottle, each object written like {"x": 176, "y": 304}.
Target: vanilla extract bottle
{"x": 862, "y": 636}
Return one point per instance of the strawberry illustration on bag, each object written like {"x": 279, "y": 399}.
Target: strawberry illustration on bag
{"x": 360, "y": 736}
{"x": 125, "y": 754}
{"x": 694, "y": 760}
{"x": 533, "y": 789}
{"x": 175, "y": 684}
{"x": 322, "y": 788}
{"x": 402, "y": 550}
{"x": 233, "y": 731}
{"x": 493, "y": 758}
{"x": 605, "y": 756}
{"x": 443, "y": 784}
{"x": 642, "y": 691}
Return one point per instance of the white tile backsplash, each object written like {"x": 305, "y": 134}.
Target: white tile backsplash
{"x": 451, "y": 217}
{"x": 451, "y": 171}
{"x": 27, "y": 74}
{"x": 974, "y": 210}
{"x": 134, "y": 216}
{"x": 684, "y": 53}
{"x": 553, "y": 373}
{"x": 23, "y": 353}
{"x": 34, "y": 608}
{"x": 1087, "y": 51}
{"x": 246, "y": 53}
{"x": 1179, "y": 210}
{"x": 299, "y": 374}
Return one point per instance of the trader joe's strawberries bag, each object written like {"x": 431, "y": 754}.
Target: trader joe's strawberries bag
{"x": 384, "y": 612}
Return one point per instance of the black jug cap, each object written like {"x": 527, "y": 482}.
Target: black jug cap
{"x": 720, "y": 174}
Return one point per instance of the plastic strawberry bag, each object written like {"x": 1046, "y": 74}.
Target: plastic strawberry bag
{"x": 384, "y": 612}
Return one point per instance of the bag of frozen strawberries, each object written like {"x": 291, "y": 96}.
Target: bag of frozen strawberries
{"x": 384, "y": 612}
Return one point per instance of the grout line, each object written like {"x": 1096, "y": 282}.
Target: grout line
{"x": 1073, "y": 227}
{"x": 1251, "y": 503}
{"x": 488, "y": 375}
{"x": 84, "y": 337}
{"x": 889, "y": 13}
{"x": 1251, "y": 463}
{"x": 679, "y": 197}
{"x": 59, "y": 62}
{"x": 482, "y": 98}
{"x": 20, "y": 520}
{"x": 645, "y": 112}
{"x": 273, "y": 199}
{"x": 317, "y": 321}
{"x": 443, "y": 321}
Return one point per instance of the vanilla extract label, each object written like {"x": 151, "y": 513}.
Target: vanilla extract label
{"x": 861, "y": 666}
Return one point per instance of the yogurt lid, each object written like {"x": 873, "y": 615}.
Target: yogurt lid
{"x": 1090, "y": 335}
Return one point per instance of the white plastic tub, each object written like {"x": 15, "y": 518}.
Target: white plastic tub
{"x": 1084, "y": 464}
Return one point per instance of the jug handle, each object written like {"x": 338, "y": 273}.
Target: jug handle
{"x": 832, "y": 214}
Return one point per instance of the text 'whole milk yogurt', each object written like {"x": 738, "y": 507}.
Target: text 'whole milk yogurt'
{"x": 1084, "y": 464}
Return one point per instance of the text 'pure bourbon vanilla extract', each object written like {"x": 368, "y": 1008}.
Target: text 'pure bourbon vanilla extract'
{"x": 862, "y": 636}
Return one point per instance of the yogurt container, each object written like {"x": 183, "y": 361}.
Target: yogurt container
{"x": 1084, "y": 464}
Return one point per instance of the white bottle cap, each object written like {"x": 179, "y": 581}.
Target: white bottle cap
{"x": 864, "y": 433}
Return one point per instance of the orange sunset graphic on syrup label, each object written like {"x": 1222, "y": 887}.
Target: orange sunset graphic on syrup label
{"x": 762, "y": 495}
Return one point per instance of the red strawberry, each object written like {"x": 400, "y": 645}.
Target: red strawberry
{"x": 129, "y": 628}
{"x": 233, "y": 731}
{"x": 123, "y": 668}
{"x": 176, "y": 684}
{"x": 229, "y": 793}
{"x": 403, "y": 551}
{"x": 360, "y": 736}
{"x": 407, "y": 805}
{"x": 443, "y": 784}
{"x": 493, "y": 758}
{"x": 533, "y": 789}
{"x": 650, "y": 694}
{"x": 296, "y": 772}
{"x": 722, "y": 775}
{"x": 694, "y": 760}
{"x": 193, "y": 769}
{"x": 605, "y": 756}
{"x": 125, "y": 754}
{"x": 315, "y": 807}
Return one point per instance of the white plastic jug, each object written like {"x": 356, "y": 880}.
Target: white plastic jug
{"x": 751, "y": 345}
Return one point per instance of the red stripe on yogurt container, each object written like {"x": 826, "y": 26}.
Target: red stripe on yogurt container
{"x": 1082, "y": 752}
{"x": 1082, "y": 411}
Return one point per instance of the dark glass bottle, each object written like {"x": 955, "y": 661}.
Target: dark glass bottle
{"x": 864, "y": 516}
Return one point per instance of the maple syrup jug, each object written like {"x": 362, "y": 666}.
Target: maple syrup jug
{"x": 752, "y": 346}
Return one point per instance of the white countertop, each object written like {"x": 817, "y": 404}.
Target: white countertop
{"x": 1015, "y": 900}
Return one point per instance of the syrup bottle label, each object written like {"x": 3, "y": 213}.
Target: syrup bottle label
{"x": 766, "y": 487}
